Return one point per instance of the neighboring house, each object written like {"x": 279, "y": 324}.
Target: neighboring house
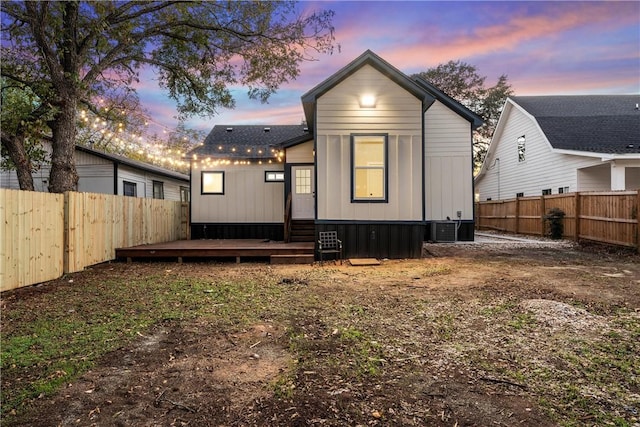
{"x": 380, "y": 159}
{"x": 106, "y": 173}
{"x": 559, "y": 144}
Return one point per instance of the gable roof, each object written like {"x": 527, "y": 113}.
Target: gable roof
{"x": 367, "y": 58}
{"x": 608, "y": 124}
{"x": 250, "y": 141}
{"x": 122, "y": 160}
{"x": 476, "y": 120}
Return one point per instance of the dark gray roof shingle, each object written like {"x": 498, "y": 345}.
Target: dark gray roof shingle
{"x": 248, "y": 141}
{"x": 594, "y": 123}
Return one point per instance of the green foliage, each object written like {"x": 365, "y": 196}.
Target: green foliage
{"x": 74, "y": 54}
{"x": 555, "y": 218}
{"x": 22, "y": 116}
{"x": 462, "y": 82}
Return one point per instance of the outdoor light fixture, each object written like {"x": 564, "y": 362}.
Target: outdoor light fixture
{"x": 367, "y": 101}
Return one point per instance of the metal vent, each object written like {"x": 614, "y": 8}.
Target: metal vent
{"x": 444, "y": 231}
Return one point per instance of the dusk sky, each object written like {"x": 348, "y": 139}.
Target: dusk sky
{"x": 544, "y": 47}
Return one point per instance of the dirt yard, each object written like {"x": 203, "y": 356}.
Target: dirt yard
{"x": 470, "y": 335}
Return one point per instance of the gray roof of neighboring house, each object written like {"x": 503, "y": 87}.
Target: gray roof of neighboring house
{"x": 594, "y": 123}
{"x": 249, "y": 141}
{"x": 135, "y": 163}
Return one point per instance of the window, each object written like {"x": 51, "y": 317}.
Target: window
{"x": 184, "y": 194}
{"x": 519, "y": 194}
{"x": 546, "y": 192}
{"x": 213, "y": 182}
{"x": 303, "y": 181}
{"x": 158, "y": 190}
{"x": 521, "y": 148}
{"x": 274, "y": 176}
{"x": 369, "y": 168}
{"x": 562, "y": 190}
{"x": 129, "y": 188}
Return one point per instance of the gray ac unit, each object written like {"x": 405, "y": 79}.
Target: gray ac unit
{"x": 444, "y": 231}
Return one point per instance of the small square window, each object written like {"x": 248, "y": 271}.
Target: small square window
{"x": 158, "y": 190}
{"x": 184, "y": 194}
{"x": 213, "y": 182}
{"x": 129, "y": 189}
{"x": 519, "y": 194}
{"x": 274, "y": 176}
{"x": 546, "y": 192}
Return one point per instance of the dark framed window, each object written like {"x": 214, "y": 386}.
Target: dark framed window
{"x": 519, "y": 194}
{"x": 158, "y": 190}
{"x": 213, "y": 182}
{"x": 369, "y": 169}
{"x": 185, "y": 194}
{"x": 129, "y": 188}
{"x": 274, "y": 176}
{"x": 563, "y": 190}
{"x": 546, "y": 192}
{"x": 522, "y": 148}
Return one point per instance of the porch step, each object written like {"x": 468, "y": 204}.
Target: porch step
{"x": 292, "y": 259}
{"x": 303, "y": 231}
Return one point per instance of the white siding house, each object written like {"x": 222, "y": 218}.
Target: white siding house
{"x": 380, "y": 157}
{"x": 560, "y": 144}
{"x": 107, "y": 173}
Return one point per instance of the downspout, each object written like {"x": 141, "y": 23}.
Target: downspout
{"x": 115, "y": 178}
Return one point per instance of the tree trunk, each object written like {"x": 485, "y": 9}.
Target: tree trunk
{"x": 64, "y": 176}
{"x": 14, "y": 144}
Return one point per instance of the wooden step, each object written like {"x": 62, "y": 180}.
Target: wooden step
{"x": 292, "y": 259}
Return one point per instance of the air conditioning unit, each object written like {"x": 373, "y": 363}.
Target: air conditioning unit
{"x": 444, "y": 231}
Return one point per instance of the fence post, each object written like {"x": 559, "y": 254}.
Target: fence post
{"x": 638, "y": 220}
{"x": 577, "y": 215}
{"x": 517, "y": 225}
{"x": 542, "y": 213}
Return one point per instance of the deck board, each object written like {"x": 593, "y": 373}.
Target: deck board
{"x": 213, "y": 248}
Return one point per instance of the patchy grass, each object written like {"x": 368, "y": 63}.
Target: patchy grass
{"x": 73, "y": 327}
{"x": 366, "y": 346}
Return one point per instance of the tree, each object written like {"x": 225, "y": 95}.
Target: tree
{"x": 70, "y": 53}
{"x": 23, "y": 120}
{"x": 462, "y": 82}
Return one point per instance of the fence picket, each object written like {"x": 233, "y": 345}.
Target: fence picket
{"x": 607, "y": 217}
{"x": 44, "y": 235}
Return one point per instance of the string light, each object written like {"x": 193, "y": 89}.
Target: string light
{"x": 160, "y": 154}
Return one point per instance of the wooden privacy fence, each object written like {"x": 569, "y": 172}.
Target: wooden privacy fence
{"x": 43, "y": 236}
{"x": 607, "y": 217}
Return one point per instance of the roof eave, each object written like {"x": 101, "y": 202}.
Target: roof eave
{"x": 135, "y": 164}
{"x": 475, "y": 119}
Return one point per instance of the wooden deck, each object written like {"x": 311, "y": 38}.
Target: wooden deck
{"x": 294, "y": 252}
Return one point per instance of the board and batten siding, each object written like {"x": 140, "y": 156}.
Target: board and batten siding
{"x": 448, "y": 164}
{"x": 542, "y": 168}
{"x": 301, "y": 153}
{"x": 247, "y": 197}
{"x": 338, "y": 116}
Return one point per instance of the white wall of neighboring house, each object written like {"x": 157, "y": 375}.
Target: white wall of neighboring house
{"x": 96, "y": 175}
{"x": 505, "y": 176}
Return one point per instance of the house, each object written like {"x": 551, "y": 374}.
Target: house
{"x": 380, "y": 159}
{"x": 559, "y": 144}
{"x": 106, "y": 173}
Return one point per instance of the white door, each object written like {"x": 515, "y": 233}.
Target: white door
{"x": 303, "y": 192}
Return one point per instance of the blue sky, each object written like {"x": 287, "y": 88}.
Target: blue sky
{"x": 544, "y": 47}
